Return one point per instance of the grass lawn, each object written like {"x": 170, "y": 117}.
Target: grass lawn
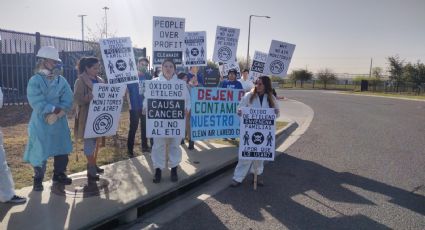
{"x": 14, "y": 121}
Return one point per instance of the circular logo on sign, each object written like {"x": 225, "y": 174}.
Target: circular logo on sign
{"x": 103, "y": 123}
{"x": 121, "y": 65}
{"x": 276, "y": 67}
{"x": 224, "y": 53}
{"x": 257, "y": 138}
{"x": 194, "y": 52}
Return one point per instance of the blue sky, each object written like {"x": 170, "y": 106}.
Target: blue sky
{"x": 342, "y": 35}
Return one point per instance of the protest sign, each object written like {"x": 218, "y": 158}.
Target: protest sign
{"x": 195, "y": 53}
{"x": 211, "y": 77}
{"x": 257, "y": 138}
{"x": 165, "y": 114}
{"x": 168, "y": 39}
{"x": 280, "y": 55}
{"x": 214, "y": 113}
{"x": 104, "y": 110}
{"x": 226, "y": 43}
{"x": 225, "y": 67}
{"x": 257, "y": 67}
{"x": 118, "y": 59}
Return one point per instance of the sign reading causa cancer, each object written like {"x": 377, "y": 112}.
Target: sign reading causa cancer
{"x": 165, "y": 108}
{"x": 214, "y": 113}
{"x": 104, "y": 110}
{"x": 118, "y": 59}
{"x": 168, "y": 39}
{"x": 257, "y": 139}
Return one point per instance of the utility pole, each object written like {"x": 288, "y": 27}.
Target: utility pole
{"x": 106, "y": 21}
{"x": 249, "y": 36}
{"x": 370, "y": 69}
{"x": 82, "y": 28}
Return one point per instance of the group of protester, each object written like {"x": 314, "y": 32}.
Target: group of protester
{"x": 51, "y": 98}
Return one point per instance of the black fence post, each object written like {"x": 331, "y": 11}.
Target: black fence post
{"x": 37, "y": 42}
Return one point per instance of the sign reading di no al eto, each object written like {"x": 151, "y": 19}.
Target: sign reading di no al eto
{"x": 168, "y": 39}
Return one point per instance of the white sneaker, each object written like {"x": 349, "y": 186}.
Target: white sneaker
{"x": 17, "y": 199}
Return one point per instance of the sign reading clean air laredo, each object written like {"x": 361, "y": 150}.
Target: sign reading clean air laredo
{"x": 226, "y": 43}
{"x": 195, "y": 51}
{"x": 165, "y": 115}
{"x": 213, "y": 113}
{"x": 118, "y": 59}
{"x": 257, "y": 67}
{"x": 104, "y": 110}
{"x": 279, "y": 57}
{"x": 257, "y": 138}
{"x": 168, "y": 39}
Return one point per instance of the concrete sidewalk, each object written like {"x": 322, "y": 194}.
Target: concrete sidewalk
{"x": 124, "y": 189}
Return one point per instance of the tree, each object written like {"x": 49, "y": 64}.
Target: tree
{"x": 301, "y": 75}
{"x": 414, "y": 73}
{"x": 326, "y": 76}
{"x": 396, "y": 70}
{"x": 377, "y": 72}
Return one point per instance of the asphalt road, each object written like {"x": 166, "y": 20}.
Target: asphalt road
{"x": 359, "y": 165}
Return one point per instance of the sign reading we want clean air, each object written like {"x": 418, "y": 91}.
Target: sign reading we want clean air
{"x": 118, "y": 59}
{"x": 165, "y": 115}
{"x": 104, "y": 110}
{"x": 214, "y": 113}
{"x": 168, "y": 39}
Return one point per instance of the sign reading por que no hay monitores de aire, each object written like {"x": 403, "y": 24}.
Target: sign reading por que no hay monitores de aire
{"x": 168, "y": 39}
{"x": 226, "y": 44}
{"x": 165, "y": 114}
{"x": 104, "y": 110}
{"x": 280, "y": 55}
{"x": 118, "y": 59}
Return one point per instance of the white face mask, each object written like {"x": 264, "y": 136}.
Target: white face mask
{"x": 44, "y": 72}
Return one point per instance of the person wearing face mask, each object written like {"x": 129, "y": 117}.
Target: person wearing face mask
{"x": 50, "y": 97}
{"x": 260, "y": 97}
{"x": 88, "y": 69}
{"x": 135, "y": 100}
{"x": 161, "y": 145}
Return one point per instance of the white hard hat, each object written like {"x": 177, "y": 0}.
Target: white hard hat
{"x": 48, "y": 52}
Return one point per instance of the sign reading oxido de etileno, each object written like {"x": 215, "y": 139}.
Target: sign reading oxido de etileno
{"x": 168, "y": 39}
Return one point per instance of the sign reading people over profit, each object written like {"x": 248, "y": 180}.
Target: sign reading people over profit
{"x": 257, "y": 67}
{"x": 214, "y": 113}
{"x": 168, "y": 39}
{"x": 104, "y": 110}
{"x": 165, "y": 114}
{"x": 280, "y": 55}
{"x": 257, "y": 138}
{"x": 226, "y": 43}
{"x": 118, "y": 59}
{"x": 195, "y": 51}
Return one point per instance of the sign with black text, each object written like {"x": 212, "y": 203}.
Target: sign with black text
{"x": 118, "y": 59}
{"x": 104, "y": 110}
{"x": 226, "y": 44}
{"x": 257, "y": 67}
{"x": 225, "y": 67}
{"x": 165, "y": 114}
{"x": 257, "y": 137}
{"x": 211, "y": 77}
{"x": 195, "y": 51}
{"x": 168, "y": 39}
{"x": 280, "y": 55}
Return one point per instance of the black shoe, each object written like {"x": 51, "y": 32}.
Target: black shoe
{"x": 182, "y": 142}
{"x": 38, "y": 185}
{"x": 191, "y": 145}
{"x": 157, "y": 177}
{"x": 130, "y": 153}
{"x": 61, "y": 178}
{"x": 17, "y": 200}
{"x": 99, "y": 170}
{"x": 174, "y": 177}
{"x": 235, "y": 184}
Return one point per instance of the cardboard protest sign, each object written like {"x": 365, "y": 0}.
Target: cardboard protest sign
{"x": 280, "y": 55}
{"x": 104, "y": 110}
{"x": 226, "y": 43}
{"x": 168, "y": 39}
{"x": 225, "y": 67}
{"x": 214, "y": 113}
{"x": 257, "y": 138}
{"x": 211, "y": 77}
{"x": 165, "y": 115}
{"x": 195, "y": 51}
{"x": 257, "y": 67}
{"x": 118, "y": 59}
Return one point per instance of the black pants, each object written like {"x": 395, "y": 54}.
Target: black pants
{"x": 59, "y": 166}
{"x": 135, "y": 116}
